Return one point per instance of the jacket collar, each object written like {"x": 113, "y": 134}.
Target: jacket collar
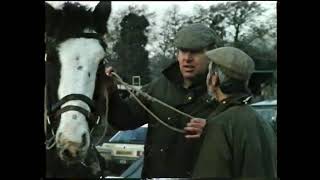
{"x": 240, "y": 98}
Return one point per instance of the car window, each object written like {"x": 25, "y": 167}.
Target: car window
{"x": 136, "y": 136}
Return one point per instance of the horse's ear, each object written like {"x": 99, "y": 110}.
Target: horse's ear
{"x": 52, "y": 18}
{"x": 101, "y": 15}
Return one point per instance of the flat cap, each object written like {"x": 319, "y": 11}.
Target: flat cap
{"x": 195, "y": 37}
{"x": 237, "y": 64}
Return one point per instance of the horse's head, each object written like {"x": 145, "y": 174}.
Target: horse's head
{"x": 75, "y": 50}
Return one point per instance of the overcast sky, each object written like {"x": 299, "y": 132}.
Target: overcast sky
{"x": 159, "y": 7}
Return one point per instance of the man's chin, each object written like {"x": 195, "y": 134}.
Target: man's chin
{"x": 189, "y": 75}
{"x": 195, "y": 78}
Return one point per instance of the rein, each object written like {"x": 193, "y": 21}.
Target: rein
{"x": 134, "y": 91}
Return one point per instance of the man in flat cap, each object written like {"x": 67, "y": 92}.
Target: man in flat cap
{"x": 236, "y": 142}
{"x": 168, "y": 153}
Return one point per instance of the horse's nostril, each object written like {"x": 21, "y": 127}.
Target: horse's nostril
{"x": 67, "y": 153}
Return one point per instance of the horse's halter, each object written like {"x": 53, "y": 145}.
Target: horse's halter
{"x": 56, "y": 111}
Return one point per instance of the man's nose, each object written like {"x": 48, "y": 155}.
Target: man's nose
{"x": 188, "y": 56}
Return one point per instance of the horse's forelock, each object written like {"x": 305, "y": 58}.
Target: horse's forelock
{"x": 72, "y": 19}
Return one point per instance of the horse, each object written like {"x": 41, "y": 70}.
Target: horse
{"x": 76, "y": 93}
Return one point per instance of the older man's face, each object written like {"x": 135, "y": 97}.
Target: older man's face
{"x": 192, "y": 63}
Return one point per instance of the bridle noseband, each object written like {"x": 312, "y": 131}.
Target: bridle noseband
{"x": 55, "y": 112}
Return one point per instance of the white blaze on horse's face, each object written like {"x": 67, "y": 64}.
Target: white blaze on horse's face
{"x": 79, "y": 58}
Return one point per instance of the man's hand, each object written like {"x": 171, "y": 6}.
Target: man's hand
{"x": 110, "y": 84}
{"x": 195, "y": 127}
{"x": 109, "y": 70}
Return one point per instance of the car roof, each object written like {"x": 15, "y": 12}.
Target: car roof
{"x": 265, "y": 103}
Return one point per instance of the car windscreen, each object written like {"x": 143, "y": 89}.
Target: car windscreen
{"x": 136, "y": 136}
{"x": 267, "y": 113}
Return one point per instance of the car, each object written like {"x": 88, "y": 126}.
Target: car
{"x": 133, "y": 171}
{"x": 268, "y": 110}
{"x": 124, "y": 147}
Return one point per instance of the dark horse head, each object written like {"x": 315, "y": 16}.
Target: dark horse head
{"x": 75, "y": 81}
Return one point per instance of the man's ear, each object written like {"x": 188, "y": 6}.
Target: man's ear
{"x": 215, "y": 80}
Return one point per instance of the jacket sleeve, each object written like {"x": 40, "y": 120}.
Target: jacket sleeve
{"x": 125, "y": 114}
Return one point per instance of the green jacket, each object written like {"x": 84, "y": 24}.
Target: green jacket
{"x": 166, "y": 152}
{"x": 237, "y": 143}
